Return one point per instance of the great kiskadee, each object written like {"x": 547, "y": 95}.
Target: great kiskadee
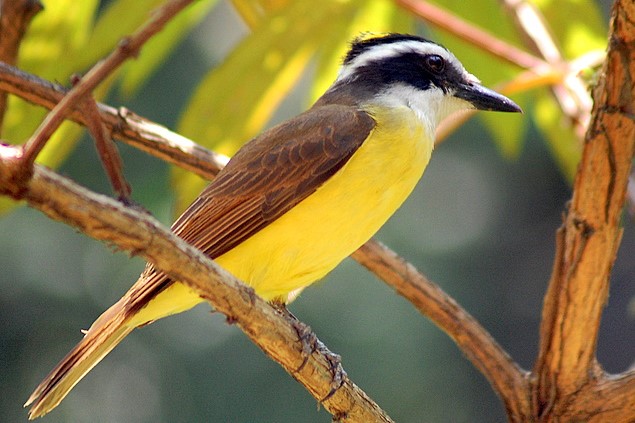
{"x": 302, "y": 196}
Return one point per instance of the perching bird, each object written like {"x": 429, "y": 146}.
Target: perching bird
{"x": 303, "y": 195}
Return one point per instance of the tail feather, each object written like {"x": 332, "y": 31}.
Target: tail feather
{"x": 100, "y": 339}
{"x": 152, "y": 297}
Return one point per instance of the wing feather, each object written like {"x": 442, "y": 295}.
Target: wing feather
{"x": 272, "y": 174}
{"x": 266, "y": 178}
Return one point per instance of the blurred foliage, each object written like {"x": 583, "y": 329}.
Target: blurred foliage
{"x": 237, "y": 99}
{"x": 264, "y": 67}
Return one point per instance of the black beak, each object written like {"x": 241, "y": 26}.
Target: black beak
{"x": 485, "y": 99}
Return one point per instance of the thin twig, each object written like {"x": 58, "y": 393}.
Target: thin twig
{"x": 571, "y": 93}
{"x": 127, "y": 48}
{"x": 122, "y": 124}
{"x": 472, "y": 34}
{"x": 107, "y": 150}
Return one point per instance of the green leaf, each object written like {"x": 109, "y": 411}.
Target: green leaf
{"x": 236, "y": 100}
{"x": 561, "y": 139}
{"x": 162, "y": 44}
{"x": 120, "y": 18}
{"x": 370, "y": 16}
{"x": 577, "y": 26}
{"x": 61, "y": 29}
{"x": 253, "y": 12}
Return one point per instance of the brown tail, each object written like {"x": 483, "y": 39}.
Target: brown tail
{"x": 101, "y": 338}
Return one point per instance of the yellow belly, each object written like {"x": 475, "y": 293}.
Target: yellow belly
{"x": 311, "y": 239}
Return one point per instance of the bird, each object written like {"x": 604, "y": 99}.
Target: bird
{"x": 300, "y": 197}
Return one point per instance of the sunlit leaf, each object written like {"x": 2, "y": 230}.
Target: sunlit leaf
{"x": 370, "y": 16}
{"x": 577, "y": 26}
{"x": 237, "y": 99}
{"x": 61, "y": 29}
{"x": 155, "y": 50}
{"x": 562, "y": 141}
{"x": 253, "y": 12}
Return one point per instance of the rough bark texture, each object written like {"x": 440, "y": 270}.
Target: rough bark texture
{"x": 569, "y": 383}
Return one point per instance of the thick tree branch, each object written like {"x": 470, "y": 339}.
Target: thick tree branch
{"x": 589, "y": 238}
{"x": 611, "y": 400}
{"x": 107, "y": 150}
{"x": 105, "y": 219}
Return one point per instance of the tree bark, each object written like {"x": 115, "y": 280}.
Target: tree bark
{"x": 569, "y": 384}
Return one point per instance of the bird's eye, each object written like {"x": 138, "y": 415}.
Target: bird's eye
{"x": 435, "y": 63}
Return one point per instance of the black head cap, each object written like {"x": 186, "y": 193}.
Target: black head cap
{"x": 368, "y": 40}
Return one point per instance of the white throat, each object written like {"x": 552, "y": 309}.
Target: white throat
{"x": 430, "y": 106}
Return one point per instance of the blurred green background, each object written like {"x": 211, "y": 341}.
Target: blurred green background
{"x": 480, "y": 225}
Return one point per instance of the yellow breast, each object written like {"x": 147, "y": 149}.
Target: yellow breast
{"x": 308, "y": 241}
{"x": 317, "y": 234}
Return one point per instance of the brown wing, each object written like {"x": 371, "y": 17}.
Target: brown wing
{"x": 267, "y": 177}
{"x": 271, "y": 174}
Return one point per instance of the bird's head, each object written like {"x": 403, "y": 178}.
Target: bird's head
{"x": 397, "y": 69}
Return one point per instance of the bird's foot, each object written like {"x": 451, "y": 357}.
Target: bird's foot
{"x": 307, "y": 338}
{"x": 338, "y": 374}
{"x": 310, "y": 344}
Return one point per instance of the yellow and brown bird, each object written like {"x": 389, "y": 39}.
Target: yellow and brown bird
{"x": 303, "y": 195}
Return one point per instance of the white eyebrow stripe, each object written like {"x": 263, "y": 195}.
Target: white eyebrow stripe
{"x": 386, "y": 51}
